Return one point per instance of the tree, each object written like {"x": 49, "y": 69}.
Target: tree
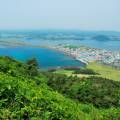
{"x": 32, "y": 67}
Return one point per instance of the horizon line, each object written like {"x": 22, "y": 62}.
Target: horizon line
{"x": 55, "y": 29}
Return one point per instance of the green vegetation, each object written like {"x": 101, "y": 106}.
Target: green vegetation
{"x": 81, "y": 72}
{"x": 100, "y": 92}
{"x": 74, "y": 47}
{"x": 29, "y": 94}
{"x": 25, "y": 97}
{"x": 70, "y": 73}
{"x": 85, "y": 71}
{"x": 66, "y": 72}
{"x": 71, "y": 46}
{"x": 93, "y": 69}
{"x": 105, "y": 71}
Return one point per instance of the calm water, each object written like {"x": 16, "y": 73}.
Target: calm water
{"x": 46, "y": 58}
{"x": 104, "y": 40}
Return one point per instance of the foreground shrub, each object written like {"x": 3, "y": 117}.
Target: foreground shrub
{"x": 26, "y": 97}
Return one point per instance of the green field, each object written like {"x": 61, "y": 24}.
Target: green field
{"x": 70, "y": 73}
{"x": 66, "y": 72}
{"x": 105, "y": 71}
{"x": 102, "y": 70}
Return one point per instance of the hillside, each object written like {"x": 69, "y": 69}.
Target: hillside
{"x": 27, "y": 93}
{"x": 100, "y": 92}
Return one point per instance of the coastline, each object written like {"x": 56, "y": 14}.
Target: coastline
{"x": 87, "y": 54}
{"x": 19, "y": 44}
{"x": 55, "y": 61}
{"x": 68, "y": 54}
{"x": 82, "y": 54}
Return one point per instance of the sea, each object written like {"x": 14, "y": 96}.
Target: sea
{"x": 47, "y": 58}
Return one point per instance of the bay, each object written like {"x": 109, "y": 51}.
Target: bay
{"x": 46, "y": 58}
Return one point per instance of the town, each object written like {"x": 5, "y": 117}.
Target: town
{"x": 89, "y": 54}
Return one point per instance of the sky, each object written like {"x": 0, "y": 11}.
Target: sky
{"x": 60, "y": 14}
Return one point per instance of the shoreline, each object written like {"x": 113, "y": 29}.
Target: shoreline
{"x": 101, "y": 54}
{"x": 68, "y": 54}
{"x": 71, "y": 57}
{"x": 87, "y": 55}
{"x": 46, "y": 47}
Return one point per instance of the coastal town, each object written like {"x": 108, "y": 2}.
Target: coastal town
{"x": 84, "y": 54}
{"x": 88, "y": 54}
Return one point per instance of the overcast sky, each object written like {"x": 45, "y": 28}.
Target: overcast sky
{"x": 60, "y": 14}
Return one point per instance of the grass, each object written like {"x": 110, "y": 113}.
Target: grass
{"x": 70, "y": 73}
{"x": 105, "y": 71}
{"x": 66, "y": 72}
